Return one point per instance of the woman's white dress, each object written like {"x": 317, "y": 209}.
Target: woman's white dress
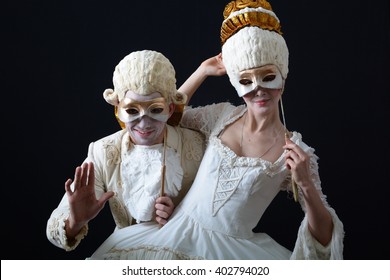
{"x": 227, "y": 199}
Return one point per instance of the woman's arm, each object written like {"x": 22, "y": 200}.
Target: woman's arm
{"x": 210, "y": 67}
{"x": 319, "y": 218}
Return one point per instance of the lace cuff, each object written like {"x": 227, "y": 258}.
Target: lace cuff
{"x": 308, "y": 248}
{"x": 56, "y": 233}
{"x": 70, "y": 245}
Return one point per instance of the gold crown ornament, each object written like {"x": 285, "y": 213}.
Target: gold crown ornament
{"x": 241, "y": 13}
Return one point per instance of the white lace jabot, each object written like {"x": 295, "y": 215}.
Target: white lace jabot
{"x": 141, "y": 176}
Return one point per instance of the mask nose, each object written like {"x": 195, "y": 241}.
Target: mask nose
{"x": 258, "y": 91}
{"x": 144, "y": 121}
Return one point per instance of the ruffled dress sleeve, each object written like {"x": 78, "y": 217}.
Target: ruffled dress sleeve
{"x": 306, "y": 246}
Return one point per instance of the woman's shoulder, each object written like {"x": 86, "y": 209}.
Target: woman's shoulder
{"x": 225, "y": 110}
{"x": 226, "y": 105}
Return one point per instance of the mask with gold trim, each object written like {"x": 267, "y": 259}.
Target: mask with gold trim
{"x": 268, "y": 77}
{"x": 130, "y": 110}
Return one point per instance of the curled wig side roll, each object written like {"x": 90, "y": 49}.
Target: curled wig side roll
{"x": 111, "y": 97}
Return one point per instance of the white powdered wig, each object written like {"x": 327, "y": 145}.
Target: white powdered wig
{"x": 253, "y": 47}
{"x": 144, "y": 72}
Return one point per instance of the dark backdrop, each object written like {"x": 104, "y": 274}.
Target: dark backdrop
{"x": 59, "y": 56}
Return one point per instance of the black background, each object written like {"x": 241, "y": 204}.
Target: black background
{"x": 59, "y": 56}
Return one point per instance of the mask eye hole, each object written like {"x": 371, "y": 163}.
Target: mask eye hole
{"x": 245, "y": 82}
{"x": 132, "y": 111}
{"x": 269, "y": 78}
{"x": 157, "y": 110}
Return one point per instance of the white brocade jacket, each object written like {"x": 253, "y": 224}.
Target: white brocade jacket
{"x": 133, "y": 172}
